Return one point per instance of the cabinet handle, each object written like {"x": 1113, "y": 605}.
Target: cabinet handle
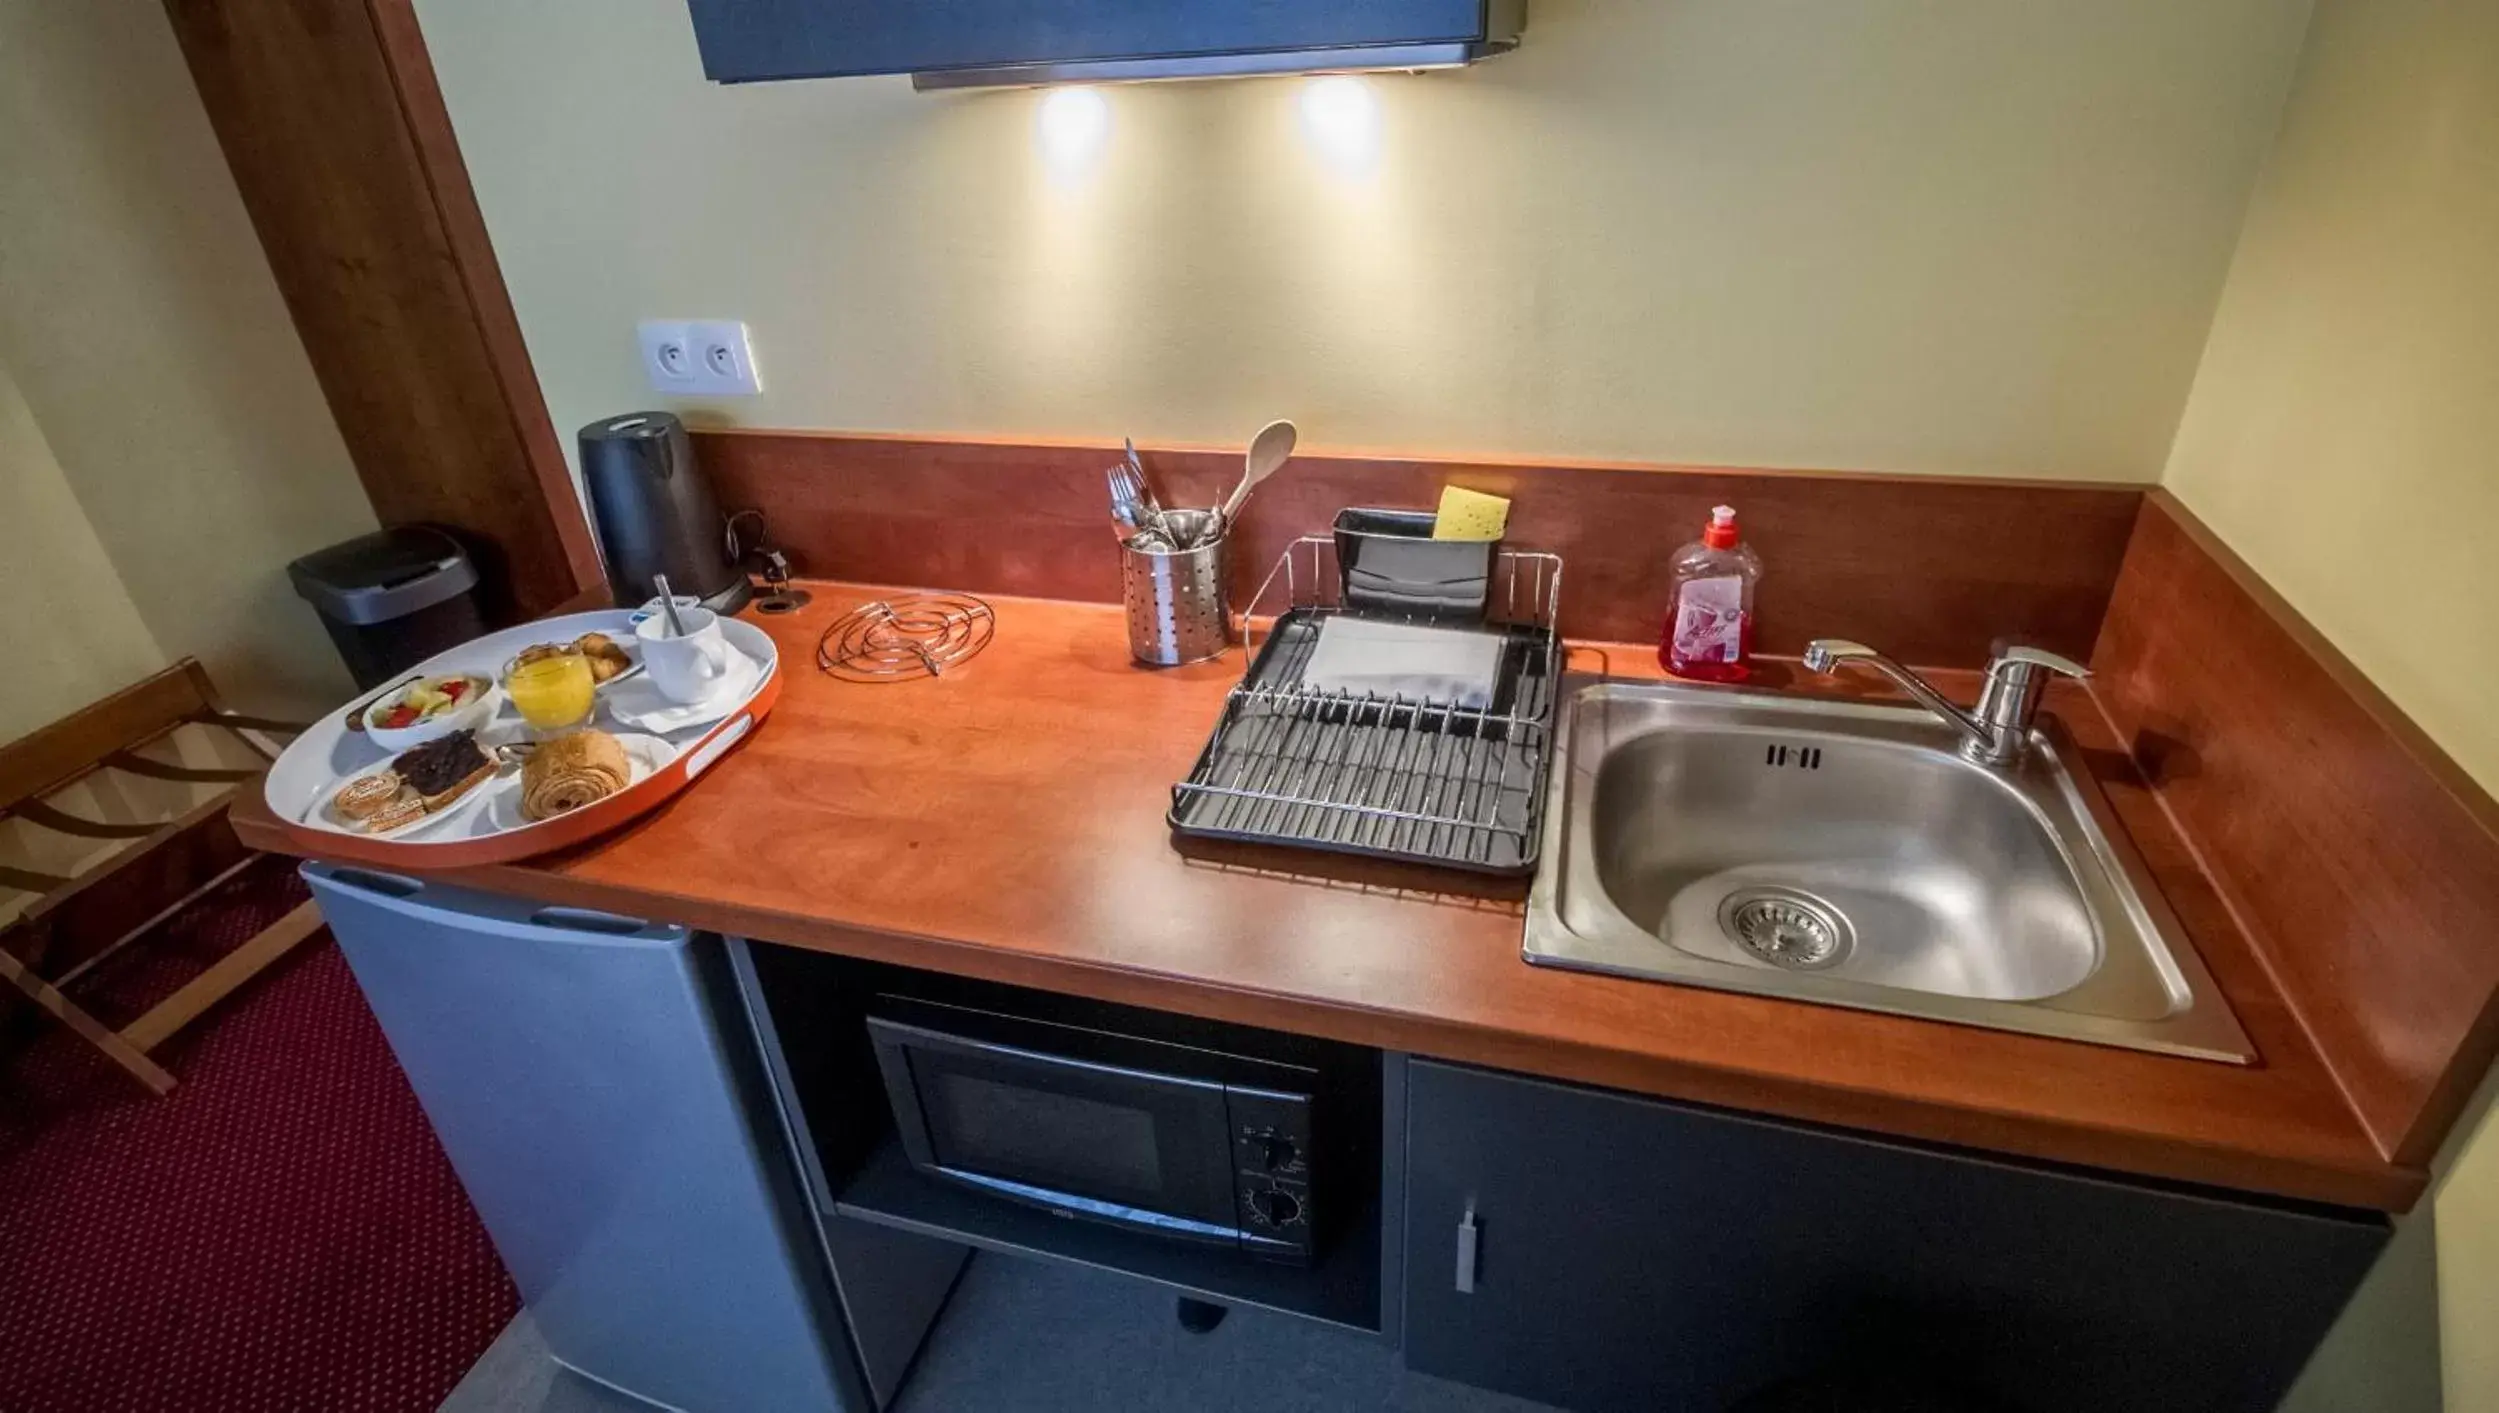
{"x": 588, "y": 920}
{"x": 1468, "y": 1236}
{"x": 385, "y": 885}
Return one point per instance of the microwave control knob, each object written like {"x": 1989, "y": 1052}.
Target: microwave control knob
{"x": 1276, "y": 1151}
{"x": 1279, "y": 1208}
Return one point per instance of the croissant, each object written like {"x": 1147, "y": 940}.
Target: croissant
{"x": 569, "y": 772}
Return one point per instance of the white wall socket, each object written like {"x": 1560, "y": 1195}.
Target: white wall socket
{"x": 698, "y": 357}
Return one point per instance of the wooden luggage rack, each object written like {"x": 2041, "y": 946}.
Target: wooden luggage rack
{"x": 161, "y": 867}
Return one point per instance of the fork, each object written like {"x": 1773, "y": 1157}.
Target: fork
{"x": 1132, "y": 500}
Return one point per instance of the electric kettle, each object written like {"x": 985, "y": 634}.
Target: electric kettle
{"x": 655, "y": 513}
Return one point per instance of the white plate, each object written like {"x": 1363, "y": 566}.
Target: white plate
{"x": 327, "y": 816}
{"x": 645, "y": 753}
{"x": 639, "y": 705}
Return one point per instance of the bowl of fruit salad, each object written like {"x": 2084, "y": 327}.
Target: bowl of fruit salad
{"x": 431, "y": 708}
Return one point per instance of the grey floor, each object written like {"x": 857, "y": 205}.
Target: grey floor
{"x": 1025, "y": 1336}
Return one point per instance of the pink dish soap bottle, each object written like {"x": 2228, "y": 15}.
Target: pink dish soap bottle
{"x": 1709, "y": 625}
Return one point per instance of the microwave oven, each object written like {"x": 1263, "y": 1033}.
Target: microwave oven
{"x": 1168, "y": 1140}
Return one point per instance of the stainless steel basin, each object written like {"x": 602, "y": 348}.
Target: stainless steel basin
{"x": 1848, "y": 854}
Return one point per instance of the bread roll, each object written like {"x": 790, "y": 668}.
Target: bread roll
{"x": 606, "y": 659}
{"x": 571, "y": 771}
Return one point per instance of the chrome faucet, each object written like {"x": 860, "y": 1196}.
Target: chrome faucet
{"x": 1999, "y": 730}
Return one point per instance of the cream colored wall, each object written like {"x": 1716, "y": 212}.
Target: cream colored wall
{"x": 2343, "y": 435}
{"x": 1976, "y": 236}
{"x": 144, "y": 329}
{"x": 2468, "y": 1264}
{"x": 70, "y": 633}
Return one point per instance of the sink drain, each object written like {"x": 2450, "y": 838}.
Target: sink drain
{"x": 1787, "y": 928}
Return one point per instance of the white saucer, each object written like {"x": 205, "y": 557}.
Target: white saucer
{"x": 638, "y": 704}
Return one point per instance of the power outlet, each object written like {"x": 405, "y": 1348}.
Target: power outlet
{"x": 723, "y": 355}
{"x": 698, "y": 357}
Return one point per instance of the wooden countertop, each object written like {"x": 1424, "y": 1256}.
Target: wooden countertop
{"x": 1006, "y": 822}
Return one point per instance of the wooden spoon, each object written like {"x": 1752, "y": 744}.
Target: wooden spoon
{"x": 1271, "y": 448}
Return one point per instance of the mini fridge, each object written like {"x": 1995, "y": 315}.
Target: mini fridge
{"x": 602, "y": 1099}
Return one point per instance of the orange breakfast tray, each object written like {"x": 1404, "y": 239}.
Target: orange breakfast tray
{"x": 312, "y": 767}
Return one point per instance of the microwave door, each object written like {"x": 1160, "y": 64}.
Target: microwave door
{"x": 1138, "y": 1148}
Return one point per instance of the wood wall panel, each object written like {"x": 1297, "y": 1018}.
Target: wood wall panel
{"x": 1930, "y": 569}
{"x": 2362, "y": 861}
{"x": 330, "y": 118}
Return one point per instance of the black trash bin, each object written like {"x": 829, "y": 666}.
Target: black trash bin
{"x": 391, "y": 599}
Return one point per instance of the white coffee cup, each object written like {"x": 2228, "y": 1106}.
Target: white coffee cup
{"x": 686, "y": 667}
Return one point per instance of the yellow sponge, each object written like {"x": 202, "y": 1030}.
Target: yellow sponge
{"x": 1470, "y": 515}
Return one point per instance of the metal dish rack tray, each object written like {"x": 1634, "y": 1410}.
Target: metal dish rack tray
{"x": 1420, "y": 780}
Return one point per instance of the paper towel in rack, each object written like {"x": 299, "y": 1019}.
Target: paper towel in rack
{"x": 1407, "y": 660}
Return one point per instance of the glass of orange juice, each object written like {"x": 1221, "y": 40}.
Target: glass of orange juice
{"x": 553, "y": 693}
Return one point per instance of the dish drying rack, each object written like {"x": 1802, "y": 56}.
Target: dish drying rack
{"x": 1415, "y": 779}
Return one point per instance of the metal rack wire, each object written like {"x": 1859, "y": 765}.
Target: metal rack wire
{"x": 1431, "y": 781}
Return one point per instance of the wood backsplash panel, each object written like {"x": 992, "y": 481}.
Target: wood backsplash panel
{"x": 2363, "y": 862}
{"x": 1930, "y": 569}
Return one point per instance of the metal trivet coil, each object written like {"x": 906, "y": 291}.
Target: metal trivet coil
{"x": 907, "y": 636}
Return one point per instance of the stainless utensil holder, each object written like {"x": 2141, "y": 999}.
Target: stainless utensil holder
{"x": 1178, "y": 610}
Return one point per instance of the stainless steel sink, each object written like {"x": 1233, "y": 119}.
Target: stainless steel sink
{"x": 1850, "y": 854}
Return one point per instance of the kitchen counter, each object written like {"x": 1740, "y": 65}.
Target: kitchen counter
{"x": 1006, "y": 822}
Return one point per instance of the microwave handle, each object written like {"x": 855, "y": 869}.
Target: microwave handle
{"x": 1469, "y": 1257}
{"x": 902, "y": 1097}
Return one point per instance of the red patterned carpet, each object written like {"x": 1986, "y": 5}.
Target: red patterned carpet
{"x": 281, "y": 1232}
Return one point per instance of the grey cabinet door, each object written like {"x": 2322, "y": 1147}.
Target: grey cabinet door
{"x": 598, "y": 1095}
{"x": 1602, "y": 1252}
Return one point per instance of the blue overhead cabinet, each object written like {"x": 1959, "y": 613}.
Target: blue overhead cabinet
{"x": 974, "y": 43}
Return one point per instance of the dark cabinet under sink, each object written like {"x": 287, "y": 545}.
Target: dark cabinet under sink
{"x": 1602, "y": 1252}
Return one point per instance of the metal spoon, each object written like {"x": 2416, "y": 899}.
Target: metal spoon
{"x": 668, "y": 606}
{"x": 1271, "y": 448}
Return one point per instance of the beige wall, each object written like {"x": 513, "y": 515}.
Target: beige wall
{"x": 139, "y": 317}
{"x": 1952, "y": 236}
{"x": 1979, "y": 236}
{"x": 2468, "y": 1262}
{"x": 70, "y": 633}
{"x": 2343, "y": 435}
